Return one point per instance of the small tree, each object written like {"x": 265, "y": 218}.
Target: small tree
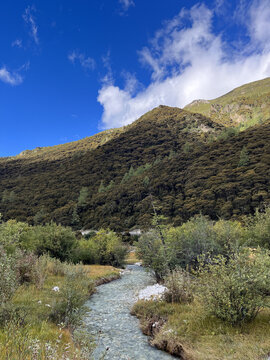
{"x": 101, "y": 187}
{"x": 244, "y": 158}
{"x": 83, "y": 196}
{"x": 75, "y": 217}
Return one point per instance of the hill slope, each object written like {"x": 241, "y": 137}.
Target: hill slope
{"x": 184, "y": 161}
{"x": 52, "y": 184}
{"x": 244, "y": 106}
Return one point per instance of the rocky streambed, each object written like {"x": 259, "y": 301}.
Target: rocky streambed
{"x": 116, "y": 332}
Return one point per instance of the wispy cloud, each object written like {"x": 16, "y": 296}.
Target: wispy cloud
{"x": 29, "y": 19}
{"x": 17, "y": 43}
{"x": 188, "y": 60}
{"x": 87, "y": 63}
{"x": 11, "y": 78}
{"x": 126, "y": 4}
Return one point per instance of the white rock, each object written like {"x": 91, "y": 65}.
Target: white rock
{"x": 56, "y": 288}
{"x": 138, "y": 264}
{"x": 153, "y": 292}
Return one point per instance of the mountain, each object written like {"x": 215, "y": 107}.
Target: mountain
{"x": 182, "y": 161}
{"x": 244, "y": 106}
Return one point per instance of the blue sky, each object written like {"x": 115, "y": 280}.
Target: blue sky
{"x": 69, "y": 69}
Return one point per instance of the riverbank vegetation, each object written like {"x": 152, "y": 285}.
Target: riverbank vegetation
{"x": 43, "y": 290}
{"x": 217, "y": 303}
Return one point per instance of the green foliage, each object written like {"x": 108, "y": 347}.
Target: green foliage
{"x": 187, "y": 148}
{"x": 171, "y": 247}
{"x": 103, "y": 188}
{"x": 75, "y": 217}
{"x": 187, "y": 242}
{"x": 258, "y": 228}
{"x": 105, "y": 248}
{"x": 227, "y": 133}
{"x": 40, "y": 217}
{"x": 153, "y": 253}
{"x": 235, "y": 290}
{"x": 69, "y": 306}
{"x": 244, "y": 158}
{"x": 56, "y": 240}
{"x": 11, "y": 234}
{"x": 83, "y": 196}
{"x": 8, "y": 277}
{"x": 135, "y": 172}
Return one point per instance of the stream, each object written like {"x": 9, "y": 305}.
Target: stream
{"x": 110, "y": 322}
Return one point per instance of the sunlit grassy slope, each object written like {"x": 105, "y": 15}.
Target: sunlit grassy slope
{"x": 244, "y": 106}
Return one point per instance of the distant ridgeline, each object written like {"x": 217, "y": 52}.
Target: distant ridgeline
{"x": 185, "y": 161}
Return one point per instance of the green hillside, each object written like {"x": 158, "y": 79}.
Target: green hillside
{"x": 244, "y": 106}
{"x": 51, "y": 185}
{"x": 183, "y": 161}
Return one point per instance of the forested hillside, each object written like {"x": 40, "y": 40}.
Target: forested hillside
{"x": 185, "y": 162}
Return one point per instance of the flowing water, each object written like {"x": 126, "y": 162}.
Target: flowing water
{"x": 111, "y": 324}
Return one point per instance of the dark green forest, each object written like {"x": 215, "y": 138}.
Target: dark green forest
{"x": 184, "y": 162}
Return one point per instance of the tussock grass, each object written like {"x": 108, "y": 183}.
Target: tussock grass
{"x": 205, "y": 337}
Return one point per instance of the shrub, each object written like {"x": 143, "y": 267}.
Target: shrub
{"x": 69, "y": 305}
{"x": 179, "y": 285}
{"x": 56, "y": 240}
{"x": 8, "y": 278}
{"x": 153, "y": 253}
{"x": 26, "y": 266}
{"x": 258, "y": 228}
{"x": 235, "y": 290}
{"x": 105, "y": 247}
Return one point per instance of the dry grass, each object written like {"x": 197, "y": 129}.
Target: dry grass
{"x": 205, "y": 337}
{"x": 101, "y": 271}
{"x": 132, "y": 257}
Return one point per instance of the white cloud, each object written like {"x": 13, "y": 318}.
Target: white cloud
{"x": 11, "y": 78}
{"x": 29, "y": 20}
{"x": 86, "y": 62}
{"x": 259, "y": 25}
{"x": 17, "y": 43}
{"x": 189, "y": 61}
{"x": 126, "y": 4}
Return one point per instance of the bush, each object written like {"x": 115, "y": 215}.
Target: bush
{"x": 235, "y": 290}
{"x": 56, "y": 240}
{"x": 179, "y": 285}
{"x": 153, "y": 254}
{"x": 104, "y": 248}
{"x": 8, "y": 278}
{"x": 258, "y": 228}
{"x": 69, "y": 306}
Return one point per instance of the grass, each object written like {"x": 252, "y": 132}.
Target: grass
{"x": 204, "y": 337}
{"x": 35, "y": 306}
{"x": 249, "y": 105}
{"x": 132, "y": 257}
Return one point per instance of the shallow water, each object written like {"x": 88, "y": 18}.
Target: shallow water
{"x": 110, "y": 322}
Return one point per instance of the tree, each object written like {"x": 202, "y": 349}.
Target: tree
{"x": 83, "y": 196}
{"x": 244, "y": 158}
{"x": 75, "y": 217}
{"x": 40, "y": 217}
{"x": 101, "y": 187}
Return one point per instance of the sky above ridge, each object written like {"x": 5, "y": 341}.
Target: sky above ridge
{"x": 71, "y": 68}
